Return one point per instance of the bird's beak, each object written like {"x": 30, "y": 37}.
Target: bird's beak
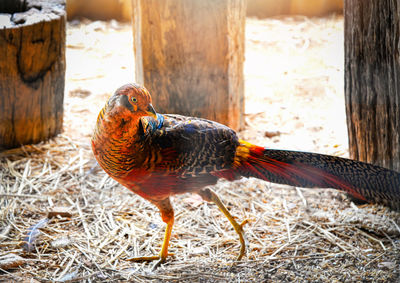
{"x": 151, "y": 112}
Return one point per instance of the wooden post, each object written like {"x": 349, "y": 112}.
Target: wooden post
{"x": 32, "y": 70}
{"x": 189, "y": 54}
{"x": 372, "y": 80}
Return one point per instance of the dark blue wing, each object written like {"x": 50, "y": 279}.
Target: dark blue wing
{"x": 192, "y": 146}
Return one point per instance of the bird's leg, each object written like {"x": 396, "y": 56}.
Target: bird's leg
{"x": 210, "y": 196}
{"x": 167, "y": 215}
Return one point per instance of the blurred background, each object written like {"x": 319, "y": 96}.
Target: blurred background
{"x": 293, "y": 69}
{"x": 121, "y": 9}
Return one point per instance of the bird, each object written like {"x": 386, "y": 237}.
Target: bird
{"x": 158, "y": 156}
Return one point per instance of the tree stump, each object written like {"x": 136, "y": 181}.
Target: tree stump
{"x": 189, "y": 54}
{"x": 32, "y": 70}
{"x": 372, "y": 81}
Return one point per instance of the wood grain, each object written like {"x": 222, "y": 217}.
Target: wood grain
{"x": 32, "y": 71}
{"x": 189, "y": 54}
{"x": 372, "y": 81}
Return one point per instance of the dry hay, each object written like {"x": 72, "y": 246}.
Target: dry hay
{"x": 308, "y": 234}
{"x": 93, "y": 224}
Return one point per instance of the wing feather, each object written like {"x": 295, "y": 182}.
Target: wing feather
{"x": 193, "y": 146}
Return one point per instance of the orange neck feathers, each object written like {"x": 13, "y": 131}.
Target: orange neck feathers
{"x": 115, "y": 139}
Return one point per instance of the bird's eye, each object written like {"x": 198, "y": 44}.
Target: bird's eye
{"x": 134, "y": 99}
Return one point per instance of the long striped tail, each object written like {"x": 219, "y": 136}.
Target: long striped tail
{"x": 362, "y": 180}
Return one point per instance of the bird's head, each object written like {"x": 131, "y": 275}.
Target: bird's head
{"x": 122, "y": 113}
{"x": 130, "y": 101}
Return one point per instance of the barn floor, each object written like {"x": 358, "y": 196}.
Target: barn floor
{"x": 83, "y": 225}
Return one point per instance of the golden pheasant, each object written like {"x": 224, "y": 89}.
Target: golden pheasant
{"x": 157, "y": 156}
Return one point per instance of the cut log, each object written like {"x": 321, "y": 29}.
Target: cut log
{"x": 372, "y": 81}
{"x": 32, "y": 70}
{"x": 189, "y": 54}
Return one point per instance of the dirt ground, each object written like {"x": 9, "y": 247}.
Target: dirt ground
{"x": 294, "y": 100}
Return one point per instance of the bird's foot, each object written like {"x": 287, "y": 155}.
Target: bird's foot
{"x": 244, "y": 222}
{"x": 242, "y": 238}
{"x": 159, "y": 259}
{"x": 158, "y": 263}
{"x": 143, "y": 258}
{"x": 210, "y": 196}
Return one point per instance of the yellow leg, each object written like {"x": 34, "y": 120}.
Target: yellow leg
{"x": 167, "y": 214}
{"x": 210, "y": 196}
